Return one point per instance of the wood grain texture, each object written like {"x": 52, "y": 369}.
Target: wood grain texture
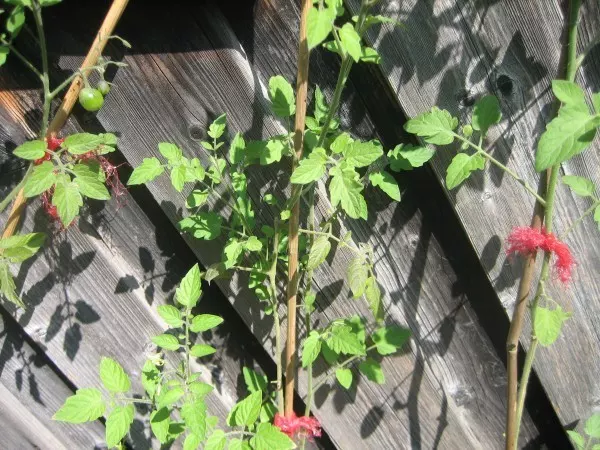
{"x": 449, "y": 54}
{"x": 447, "y": 389}
{"x": 94, "y": 289}
{"x": 30, "y": 393}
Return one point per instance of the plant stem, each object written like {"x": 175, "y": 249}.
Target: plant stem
{"x": 23, "y": 59}
{"x": 497, "y": 163}
{"x": 276, "y": 321}
{"x": 292, "y": 286}
{"x": 587, "y": 212}
{"x": 39, "y": 24}
{"x": 512, "y": 439}
{"x": 188, "y": 371}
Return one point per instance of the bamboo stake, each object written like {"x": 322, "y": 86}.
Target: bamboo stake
{"x": 292, "y": 288}
{"x": 106, "y": 29}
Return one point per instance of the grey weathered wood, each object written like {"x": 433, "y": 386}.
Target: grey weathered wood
{"x": 88, "y": 293}
{"x": 445, "y": 394}
{"x": 449, "y": 54}
{"x": 30, "y": 393}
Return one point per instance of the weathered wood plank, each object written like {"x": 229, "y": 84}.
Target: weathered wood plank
{"x": 30, "y": 393}
{"x": 449, "y": 54}
{"x": 436, "y": 404}
{"x": 94, "y": 289}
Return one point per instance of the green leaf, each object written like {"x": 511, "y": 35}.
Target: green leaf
{"x": 580, "y": 185}
{"x": 197, "y": 197}
{"x": 435, "y": 127}
{"x": 67, "y": 200}
{"x": 189, "y": 290}
{"x": 373, "y": 295}
{"x": 372, "y": 370}
{"x": 272, "y": 152}
{"x": 577, "y": 439}
{"x": 319, "y": 24}
{"x": 7, "y": 286}
{"x": 86, "y": 405}
{"x": 358, "y": 274}
{"x": 170, "y": 151}
{"x": 387, "y": 183}
{"x": 407, "y": 156}
{"x": 20, "y": 247}
{"x": 201, "y": 350}
{"x": 373, "y": 20}
{"x": 170, "y": 315}
{"x": 311, "y": 348}
{"x": 15, "y": 21}
{"x": 178, "y": 175}
{"x": 321, "y": 108}
{"x": 344, "y": 340}
{"x": 595, "y": 99}
{"x": 318, "y": 252}
{"x": 204, "y": 225}
{"x": 31, "y": 150}
{"x": 159, "y": 423}
{"x": 216, "y": 441}
{"x": 370, "y": 55}
{"x": 345, "y": 188}
{"x": 486, "y": 113}
{"x": 566, "y": 135}
{"x": 204, "y": 322}
{"x": 311, "y": 168}
{"x": 80, "y": 143}
{"x": 592, "y": 426}
{"x": 548, "y": 324}
{"x": 194, "y": 417}
{"x": 167, "y": 341}
{"x": 170, "y": 396}
{"x": 269, "y": 437}
{"x": 4, "y": 50}
{"x": 246, "y": 411}
{"x": 238, "y": 444}
{"x": 236, "y": 149}
{"x": 145, "y": 172}
{"x": 200, "y": 389}
{"x": 461, "y": 167}
{"x": 232, "y": 253}
{"x": 329, "y": 355}
{"x": 192, "y": 442}
{"x": 113, "y": 376}
{"x": 90, "y": 182}
{"x": 390, "y": 339}
{"x": 569, "y": 93}
{"x": 282, "y": 98}
{"x": 254, "y": 381}
{"x": 362, "y": 154}
{"x": 341, "y": 143}
{"x": 217, "y": 128}
{"x": 150, "y": 378}
{"x": 253, "y": 244}
{"x": 41, "y": 179}
{"x": 350, "y": 40}
{"x": 118, "y": 423}
{"x": 344, "y": 377}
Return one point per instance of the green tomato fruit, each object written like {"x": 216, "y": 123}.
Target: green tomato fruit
{"x": 103, "y": 87}
{"x": 91, "y": 99}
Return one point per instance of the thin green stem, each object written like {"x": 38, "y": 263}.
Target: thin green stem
{"x": 574, "y": 225}
{"x": 548, "y": 220}
{"x": 331, "y": 236}
{"x": 23, "y": 59}
{"x": 497, "y": 163}
{"x": 188, "y": 372}
{"x": 240, "y": 433}
{"x": 39, "y": 24}
{"x": 136, "y": 400}
{"x": 276, "y": 320}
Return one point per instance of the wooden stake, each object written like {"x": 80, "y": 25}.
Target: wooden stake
{"x": 292, "y": 288}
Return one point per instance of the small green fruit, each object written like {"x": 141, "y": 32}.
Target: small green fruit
{"x": 103, "y": 87}
{"x": 91, "y": 99}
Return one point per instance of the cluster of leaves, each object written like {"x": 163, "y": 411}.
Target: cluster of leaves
{"x": 68, "y": 173}
{"x": 177, "y": 397}
{"x": 15, "y": 250}
{"x": 585, "y": 188}
{"x": 15, "y": 20}
{"x": 348, "y": 337}
{"x": 591, "y": 430}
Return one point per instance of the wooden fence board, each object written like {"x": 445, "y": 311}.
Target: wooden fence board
{"x": 449, "y": 54}
{"x": 428, "y": 400}
{"x": 94, "y": 289}
{"x": 30, "y": 393}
